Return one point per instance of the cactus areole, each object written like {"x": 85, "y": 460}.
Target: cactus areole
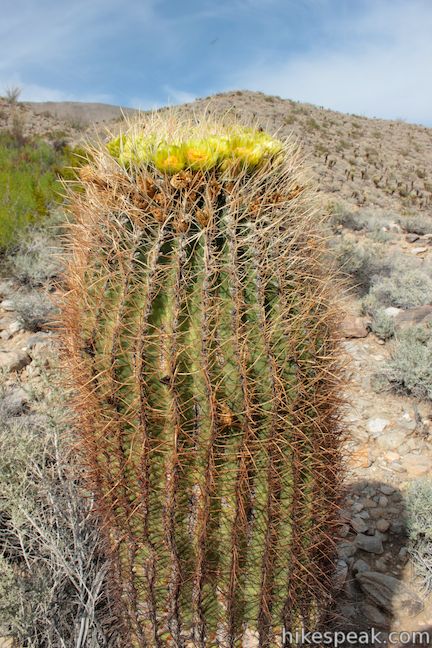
{"x": 199, "y": 334}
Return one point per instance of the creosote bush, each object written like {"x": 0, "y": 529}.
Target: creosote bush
{"x": 198, "y": 330}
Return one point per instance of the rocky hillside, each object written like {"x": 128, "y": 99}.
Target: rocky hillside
{"x": 367, "y": 162}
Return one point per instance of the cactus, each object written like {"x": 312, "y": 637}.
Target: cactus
{"x": 199, "y": 334}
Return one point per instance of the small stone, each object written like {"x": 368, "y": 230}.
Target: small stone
{"x": 343, "y": 530}
{"x": 354, "y": 327}
{"x": 13, "y": 360}
{"x": 382, "y": 525}
{"x": 417, "y": 465}
{"x": 392, "y": 311}
{"x": 340, "y": 575}
{"x": 360, "y": 458}
{"x": 376, "y": 425}
{"x": 38, "y": 339}
{"x": 382, "y": 501}
{"x": 360, "y": 566}
{"x": 7, "y": 305}
{"x": 375, "y": 616}
{"x": 346, "y": 549}
{"x": 5, "y": 335}
{"x": 391, "y": 439}
{"x": 371, "y": 544}
{"x": 403, "y": 552}
{"x": 15, "y": 327}
{"x": 411, "y": 237}
{"x": 359, "y": 525}
{"x": 357, "y": 507}
{"x": 419, "y": 250}
{"x": 387, "y": 489}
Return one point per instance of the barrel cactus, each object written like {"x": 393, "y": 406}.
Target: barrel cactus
{"x": 199, "y": 334}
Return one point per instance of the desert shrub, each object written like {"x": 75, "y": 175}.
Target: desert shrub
{"x": 363, "y": 264}
{"x": 382, "y": 324}
{"x": 52, "y": 568}
{"x": 409, "y": 369}
{"x": 418, "y": 224}
{"x": 418, "y": 503}
{"x": 403, "y": 289}
{"x": 35, "y": 309}
{"x": 12, "y": 94}
{"x": 367, "y": 220}
{"x": 30, "y": 172}
{"x": 36, "y": 259}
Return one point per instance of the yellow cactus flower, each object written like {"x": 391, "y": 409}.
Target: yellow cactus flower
{"x": 169, "y": 158}
{"x": 200, "y": 155}
{"x": 115, "y": 145}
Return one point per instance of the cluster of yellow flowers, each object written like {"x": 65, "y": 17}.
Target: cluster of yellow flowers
{"x": 244, "y": 148}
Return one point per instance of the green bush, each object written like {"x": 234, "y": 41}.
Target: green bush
{"x": 362, "y": 263}
{"x": 402, "y": 289}
{"x": 29, "y": 182}
{"x": 382, "y": 324}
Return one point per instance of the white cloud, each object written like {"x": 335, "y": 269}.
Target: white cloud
{"x": 377, "y": 64}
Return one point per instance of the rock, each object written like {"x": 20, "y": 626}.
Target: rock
{"x": 15, "y": 327}
{"x": 412, "y": 238}
{"x": 375, "y": 616}
{"x": 382, "y": 501}
{"x": 360, "y": 458}
{"x": 5, "y": 322}
{"x": 419, "y": 250}
{"x": 359, "y": 525}
{"x": 382, "y": 525}
{"x": 357, "y": 507}
{"x": 7, "y": 305}
{"x": 371, "y": 544}
{"x": 417, "y": 465}
{"x": 392, "y": 456}
{"x": 386, "y": 489}
{"x": 392, "y": 311}
{"x": 354, "y": 327}
{"x": 13, "y": 360}
{"x": 346, "y": 549}
{"x": 376, "y": 425}
{"x": 340, "y": 574}
{"x": 360, "y": 566}
{"x": 38, "y": 339}
{"x": 383, "y": 589}
{"x": 391, "y": 439}
{"x": 343, "y": 530}
{"x": 412, "y": 316}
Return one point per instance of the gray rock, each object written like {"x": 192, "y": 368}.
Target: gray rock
{"x": 370, "y": 543}
{"x": 412, "y": 316}
{"x": 340, "y": 575}
{"x": 358, "y": 524}
{"x": 38, "y": 339}
{"x": 346, "y": 549}
{"x": 7, "y": 305}
{"x": 387, "y": 489}
{"x": 412, "y": 238}
{"x": 376, "y": 425}
{"x": 15, "y": 327}
{"x": 383, "y": 589}
{"x": 382, "y": 525}
{"x": 13, "y": 360}
{"x": 375, "y": 616}
{"x": 391, "y": 439}
{"x": 360, "y": 566}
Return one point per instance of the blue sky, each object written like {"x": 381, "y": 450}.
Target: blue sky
{"x": 371, "y": 57}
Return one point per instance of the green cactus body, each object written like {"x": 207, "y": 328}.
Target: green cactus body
{"x": 199, "y": 334}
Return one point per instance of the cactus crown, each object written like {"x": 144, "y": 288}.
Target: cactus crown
{"x": 199, "y": 332}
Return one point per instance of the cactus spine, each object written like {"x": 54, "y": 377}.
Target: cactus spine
{"x": 199, "y": 334}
